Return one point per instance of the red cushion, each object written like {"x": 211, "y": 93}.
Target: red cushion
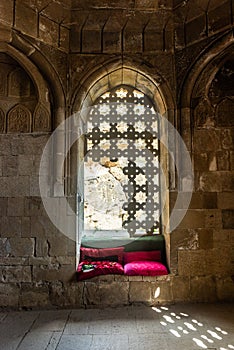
{"x": 90, "y": 253}
{"x": 151, "y": 255}
{"x": 100, "y": 268}
{"x": 145, "y": 268}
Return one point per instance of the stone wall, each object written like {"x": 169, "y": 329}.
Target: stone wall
{"x": 55, "y": 52}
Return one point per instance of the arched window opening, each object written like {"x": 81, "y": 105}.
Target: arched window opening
{"x": 120, "y": 171}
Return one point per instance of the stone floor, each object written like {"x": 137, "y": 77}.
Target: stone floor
{"x": 176, "y": 327}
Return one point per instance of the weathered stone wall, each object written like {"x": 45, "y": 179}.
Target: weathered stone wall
{"x": 178, "y": 44}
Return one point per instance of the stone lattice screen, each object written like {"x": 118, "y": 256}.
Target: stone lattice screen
{"x": 122, "y": 163}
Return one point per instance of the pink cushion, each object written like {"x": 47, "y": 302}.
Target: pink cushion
{"x": 152, "y": 255}
{"x": 90, "y": 253}
{"x": 100, "y": 268}
{"x": 145, "y": 268}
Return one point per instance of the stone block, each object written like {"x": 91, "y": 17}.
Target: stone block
{"x": 17, "y": 144}
{"x": 17, "y": 274}
{"x": 54, "y": 272}
{"x": 221, "y": 237}
{"x": 75, "y": 38}
{"x": 105, "y": 294}
{"x": 132, "y": 40}
{"x": 10, "y": 226}
{"x": 1, "y": 166}
{"x": 5, "y": 149}
{"x": 203, "y": 289}
{"x": 3, "y": 206}
{"x": 65, "y": 260}
{"x": 91, "y": 40}
{"x": 26, "y": 164}
{"x": 210, "y": 182}
{"x": 58, "y": 245}
{"x": 5, "y": 248}
{"x": 205, "y": 238}
{"x": 184, "y": 239}
{"x": 12, "y": 261}
{"x": 34, "y": 186}
{"x": 21, "y": 246}
{"x": 153, "y": 40}
{"x": 219, "y": 17}
{"x": 41, "y": 247}
{"x": 213, "y": 218}
{"x": 33, "y": 144}
{"x": 70, "y": 294}
{"x": 6, "y": 12}
{"x": 33, "y": 206}
{"x": 225, "y": 288}
{"x": 41, "y": 226}
{"x": 140, "y": 292}
{"x": 73, "y": 293}
{"x": 25, "y": 226}
{"x": 9, "y": 295}
{"x": 228, "y": 218}
{"x": 135, "y": 278}
{"x": 180, "y": 288}
{"x": 149, "y": 278}
{"x": 196, "y": 29}
{"x": 14, "y": 186}
{"x": 209, "y": 200}
{"x": 15, "y": 206}
{"x": 192, "y": 263}
{"x": 112, "y": 41}
{"x": 193, "y": 219}
{"x": 25, "y": 19}
{"x": 225, "y": 200}
{"x": 121, "y": 278}
{"x": 34, "y": 296}
{"x": 162, "y": 291}
{"x": 10, "y": 166}
{"x": 48, "y": 31}
{"x": 106, "y": 278}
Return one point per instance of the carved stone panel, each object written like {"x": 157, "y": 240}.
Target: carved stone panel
{"x": 19, "y": 119}
{"x": 203, "y": 114}
{"x": 19, "y": 83}
{"x": 2, "y": 121}
{"x": 41, "y": 119}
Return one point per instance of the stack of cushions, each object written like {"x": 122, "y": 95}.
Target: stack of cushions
{"x": 95, "y": 262}
{"x": 103, "y": 261}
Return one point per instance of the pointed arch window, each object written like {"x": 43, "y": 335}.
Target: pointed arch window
{"x": 121, "y": 165}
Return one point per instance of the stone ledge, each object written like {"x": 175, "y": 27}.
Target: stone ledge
{"x": 113, "y": 291}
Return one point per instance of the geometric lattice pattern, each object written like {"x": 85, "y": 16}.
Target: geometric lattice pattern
{"x": 123, "y": 127}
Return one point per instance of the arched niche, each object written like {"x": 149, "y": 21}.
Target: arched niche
{"x": 195, "y": 88}
{"x": 20, "y": 96}
{"x": 48, "y": 90}
{"x": 122, "y": 72}
{"x": 108, "y": 76}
